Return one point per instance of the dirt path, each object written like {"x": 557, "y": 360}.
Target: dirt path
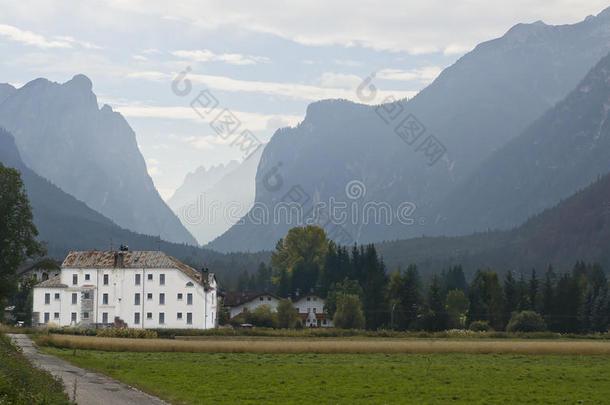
{"x": 91, "y": 388}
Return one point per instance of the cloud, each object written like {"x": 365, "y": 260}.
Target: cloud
{"x": 457, "y": 49}
{"x": 396, "y": 25}
{"x": 152, "y": 165}
{"x": 424, "y": 75}
{"x": 249, "y": 120}
{"x": 339, "y": 80}
{"x": 30, "y": 38}
{"x": 84, "y": 44}
{"x": 206, "y": 55}
{"x": 298, "y": 91}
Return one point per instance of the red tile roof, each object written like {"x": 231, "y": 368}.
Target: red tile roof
{"x": 235, "y": 298}
{"x": 101, "y": 259}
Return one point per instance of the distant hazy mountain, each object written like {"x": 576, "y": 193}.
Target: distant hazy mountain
{"x": 90, "y": 153}
{"x": 473, "y": 108}
{"x": 67, "y": 224}
{"x": 6, "y": 90}
{"x": 577, "y": 228}
{"x": 214, "y": 200}
{"x": 197, "y": 182}
{"x": 564, "y": 150}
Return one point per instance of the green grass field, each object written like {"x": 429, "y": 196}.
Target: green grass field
{"x": 198, "y": 378}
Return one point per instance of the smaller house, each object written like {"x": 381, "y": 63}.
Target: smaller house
{"x": 41, "y": 270}
{"x": 237, "y": 302}
{"x": 311, "y": 312}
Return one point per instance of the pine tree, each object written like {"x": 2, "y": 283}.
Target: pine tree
{"x": 524, "y": 301}
{"x": 548, "y": 297}
{"x": 437, "y": 317}
{"x": 511, "y": 295}
{"x": 533, "y": 292}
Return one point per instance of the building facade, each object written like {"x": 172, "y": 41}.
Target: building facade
{"x": 310, "y": 308}
{"x": 237, "y": 302}
{"x": 138, "y": 289}
{"x": 311, "y": 312}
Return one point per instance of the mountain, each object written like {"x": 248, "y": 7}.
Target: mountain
{"x": 578, "y": 228}
{"x": 213, "y": 207}
{"x": 6, "y": 90}
{"x": 488, "y": 97}
{"x": 90, "y": 153}
{"x": 197, "y": 182}
{"x": 564, "y": 150}
{"x": 66, "y": 224}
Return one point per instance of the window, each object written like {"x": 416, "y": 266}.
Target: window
{"x": 105, "y": 279}
{"x": 47, "y": 298}
{"x": 86, "y": 295}
{"x": 74, "y": 298}
{"x": 87, "y": 277}
{"x": 149, "y": 296}
{"x": 149, "y": 315}
{"x": 137, "y": 279}
{"x": 308, "y": 298}
{"x": 137, "y": 299}
{"x": 308, "y": 310}
{"x": 161, "y": 279}
{"x": 297, "y": 308}
{"x": 323, "y": 321}
{"x": 179, "y": 296}
{"x": 73, "y": 317}
{"x": 268, "y": 298}
{"x": 162, "y": 299}
{"x": 189, "y": 299}
{"x": 56, "y": 296}
{"x": 189, "y": 318}
{"x": 136, "y": 318}
{"x": 161, "y": 318}
{"x": 105, "y": 299}
{"x": 104, "y": 317}
{"x": 85, "y": 315}
{"x": 190, "y": 284}
{"x": 150, "y": 277}
{"x": 314, "y": 310}
{"x": 46, "y": 317}
{"x": 56, "y": 315}
{"x": 179, "y": 315}
{"x": 262, "y": 298}
{"x": 74, "y": 278}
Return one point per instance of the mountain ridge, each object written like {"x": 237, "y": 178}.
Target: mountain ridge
{"x": 473, "y": 108}
{"x": 89, "y": 152}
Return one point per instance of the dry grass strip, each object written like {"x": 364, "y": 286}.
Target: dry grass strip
{"x": 332, "y": 346}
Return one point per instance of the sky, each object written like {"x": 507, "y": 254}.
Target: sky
{"x": 263, "y": 61}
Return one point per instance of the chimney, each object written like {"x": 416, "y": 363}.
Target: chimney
{"x": 118, "y": 259}
{"x": 204, "y": 274}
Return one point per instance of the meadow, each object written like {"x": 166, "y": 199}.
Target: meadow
{"x": 22, "y": 383}
{"x": 341, "y": 378}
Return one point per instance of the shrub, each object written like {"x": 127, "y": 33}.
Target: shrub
{"x": 286, "y": 314}
{"x": 526, "y": 321}
{"x": 237, "y": 320}
{"x": 480, "y": 326}
{"x": 127, "y": 333}
{"x": 262, "y": 316}
{"x": 349, "y": 312}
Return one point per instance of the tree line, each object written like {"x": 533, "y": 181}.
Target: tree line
{"x": 355, "y": 279}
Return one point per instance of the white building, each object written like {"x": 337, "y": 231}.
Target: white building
{"x": 145, "y": 289}
{"x": 237, "y": 302}
{"x": 311, "y": 312}
{"x": 310, "y": 308}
